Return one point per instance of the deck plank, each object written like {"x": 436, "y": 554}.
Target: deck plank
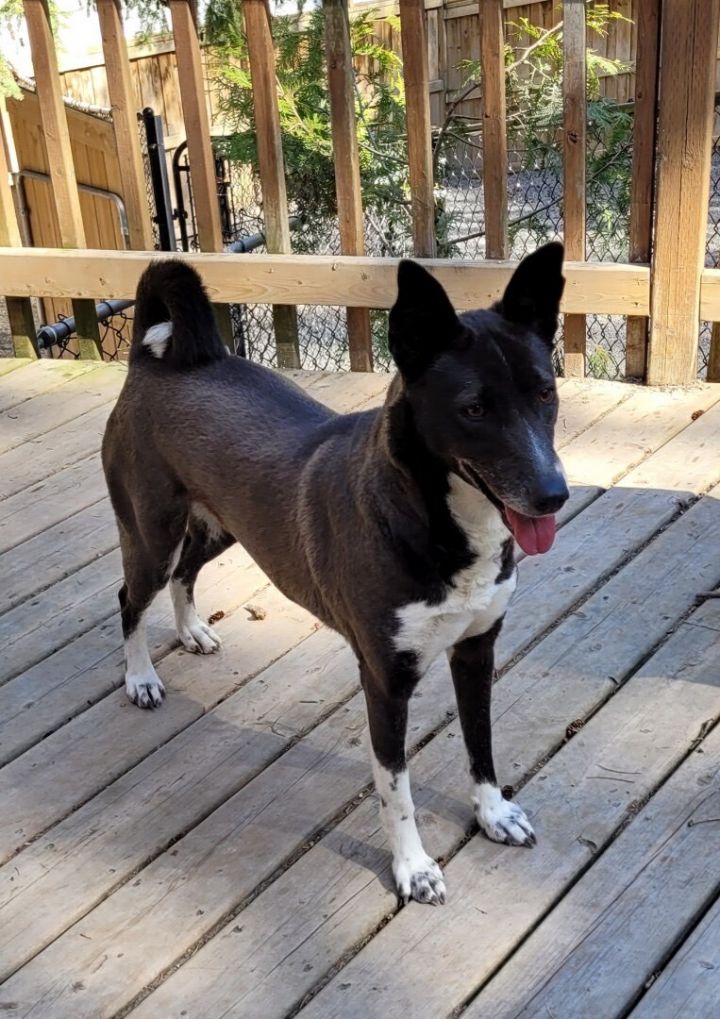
{"x": 690, "y": 983}
{"x": 33, "y": 630}
{"x": 330, "y": 900}
{"x": 11, "y": 364}
{"x": 578, "y": 800}
{"x": 39, "y": 377}
{"x": 92, "y": 532}
{"x": 632, "y": 430}
{"x": 41, "y": 415}
{"x": 614, "y": 928}
{"x": 194, "y": 884}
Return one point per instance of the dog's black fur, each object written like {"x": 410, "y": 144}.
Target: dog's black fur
{"x": 349, "y": 515}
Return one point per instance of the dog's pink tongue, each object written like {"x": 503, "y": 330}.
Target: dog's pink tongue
{"x": 534, "y": 535}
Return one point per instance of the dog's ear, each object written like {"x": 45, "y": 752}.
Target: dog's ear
{"x": 423, "y": 322}
{"x": 532, "y": 297}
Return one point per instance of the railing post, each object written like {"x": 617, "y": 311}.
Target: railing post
{"x": 688, "y": 48}
{"x": 495, "y": 158}
{"x": 60, "y": 160}
{"x": 272, "y": 170}
{"x": 643, "y": 169}
{"x": 413, "y": 32}
{"x": 347, "y": 166}
{"x": 197, "y": 129}
{"x": 19, "y": 309}
{"x": 574, "y": 146}
{"x": 125, "y": 125}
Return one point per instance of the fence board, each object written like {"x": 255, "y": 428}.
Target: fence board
{"x": 609, "y": 288}
{"x": 643, "y": 170}
{"x": 419, "y": 139}
{"x": 127, "y": 140}
{"x": 495, "y": 157}
{"x": 347, "y": 166}
{"x": 574, "y": 152}
{"x": 272, "y": 170}
{"x": 20, "y": 315}
{"x": 61, "y": 168}
{"x": 685, "y": 122}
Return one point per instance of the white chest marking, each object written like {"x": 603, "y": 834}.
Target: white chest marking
{"x": 475, "y": 601}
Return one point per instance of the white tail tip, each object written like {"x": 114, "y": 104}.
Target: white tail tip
{"x": 157, "y": 338}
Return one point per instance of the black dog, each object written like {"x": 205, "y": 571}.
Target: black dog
{"x": 393, "y": 526}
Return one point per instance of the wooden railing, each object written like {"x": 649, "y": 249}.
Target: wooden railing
{"x": 671, "y": 287}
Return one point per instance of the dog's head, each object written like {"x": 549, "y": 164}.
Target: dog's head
{"x": 482, "y": 388}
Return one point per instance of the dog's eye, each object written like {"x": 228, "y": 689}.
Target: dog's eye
{"x": 546, "y": 395}
{"x": 474, "y": 410}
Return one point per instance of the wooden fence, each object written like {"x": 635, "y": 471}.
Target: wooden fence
{"x": 669, "y": 186}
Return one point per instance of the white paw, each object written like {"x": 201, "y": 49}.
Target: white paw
{"x": 501, "y": 819}
{"x": 146, "y": 690}
{"x": 420, "y": 879}
{"x": 198, "y": 637}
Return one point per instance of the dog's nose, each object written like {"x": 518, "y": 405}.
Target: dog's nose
{"x": 552, "y": 497}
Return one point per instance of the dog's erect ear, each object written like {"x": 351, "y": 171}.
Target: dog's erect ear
{"x": 532, "y": 297}
{"x": 423, "y": 323}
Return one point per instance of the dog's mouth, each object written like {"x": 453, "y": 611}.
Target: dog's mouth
{"x": 534, "y": 535}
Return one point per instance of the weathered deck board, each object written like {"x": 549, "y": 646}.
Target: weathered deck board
{"x": 11, "y": 364}
{"x": 38, "y": 377}
{"x": 149, "y": 833}
{"x": 690, "y": 983}
{"x": 38, "y": 417}
{"x": 607, "y": 936}
{"x": 577, "y": 801}
{"x": 331, "y": 899}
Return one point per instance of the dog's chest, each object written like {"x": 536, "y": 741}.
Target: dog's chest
{"x": 479, "y": 594}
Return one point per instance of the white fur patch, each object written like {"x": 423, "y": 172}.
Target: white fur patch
{"x": 214, "y": 528}
{"x": 194, "y": 634}
{"x": 417, "y": 876}
{"x": 142, "y": 683}
{"x": 157, "y": 338}
{"x": 501, "y": 819}
{"x": 475, "y": 601}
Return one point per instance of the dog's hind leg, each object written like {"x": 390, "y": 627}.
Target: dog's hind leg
{"x": 150, "y": 550}
{"x": 205, "y": 539}
{"x": 417, "y": 875}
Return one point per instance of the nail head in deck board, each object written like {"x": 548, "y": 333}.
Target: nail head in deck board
{"x": 642, "y": 177}
{"x": 347, "y": 165}
{"x": 498, "y": 892}
{"x": 341, "y": 879}
{"x": 574, "y": 153}
{"x": 603, "y": 288}
{"x": 690, "y": 983}
{"x": 413, "y": 32}
{"x": 124, "y": 119}
{"x": 684, "y": 140}
{"x": 494, "y": 132}
{"x": 56, "y": 138}
{"x": 261, "y": 54}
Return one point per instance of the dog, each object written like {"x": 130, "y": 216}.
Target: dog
{"x": 394, "y": 526}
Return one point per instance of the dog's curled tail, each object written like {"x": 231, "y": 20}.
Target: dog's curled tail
{"x": 174, "y": 320}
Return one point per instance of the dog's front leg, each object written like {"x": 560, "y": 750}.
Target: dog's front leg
{"x": 417, "y": 875}
{"x": 472, "y": 663}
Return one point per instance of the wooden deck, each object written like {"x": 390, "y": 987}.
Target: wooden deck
{"x": 223, "y": 857}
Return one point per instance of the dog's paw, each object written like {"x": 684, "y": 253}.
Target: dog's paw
{"x": 420, "y": 879}
{"x": 198, "y": 637}
{"x": 501, "y": 819}
{"x": 147, "y": 691}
